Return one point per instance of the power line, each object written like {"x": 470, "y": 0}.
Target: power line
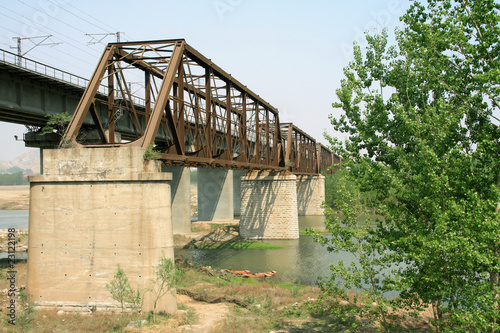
{"x": 20, "y": 39}
{"x": 109, "y": 27}
{"x": 55, "y": 18}
{"x": 69, "y": 38}
{"x": 101, "y": 37}
{"x": 78, "y": 16}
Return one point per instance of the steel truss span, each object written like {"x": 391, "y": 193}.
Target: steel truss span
{"x": 191, "y": 110}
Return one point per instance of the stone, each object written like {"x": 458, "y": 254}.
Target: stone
{"x": 269, "y": 206}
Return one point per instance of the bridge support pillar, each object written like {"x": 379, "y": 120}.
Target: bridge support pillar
{"x": 215, "y": 194}
{"x": 269, "y": 206}
{"x": 91, "y": 210}
{"x": 237, "y": 174}
{"x": 310, "y": 194}
{"x": 181, "y": 204}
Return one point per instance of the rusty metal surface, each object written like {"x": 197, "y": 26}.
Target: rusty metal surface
{"x": 193, "y": 112}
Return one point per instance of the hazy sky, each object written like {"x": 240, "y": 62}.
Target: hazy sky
{"x": 289, "y": 52}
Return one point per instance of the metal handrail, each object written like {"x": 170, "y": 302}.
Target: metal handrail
{"x": 54, "y": 73}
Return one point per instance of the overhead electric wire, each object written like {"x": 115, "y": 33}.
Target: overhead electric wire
{"x": 55, "y": 18}
{"x": 113, "y": 29}
{"x": 58, "y": 35}
{"x": 45, "y": 31}
{"x": 78, "y": 16}
{"x": 92, "y": 17}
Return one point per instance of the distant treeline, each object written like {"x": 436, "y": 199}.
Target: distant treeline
{"x": 13, "y": 178}
{"x": 194, "y": 176}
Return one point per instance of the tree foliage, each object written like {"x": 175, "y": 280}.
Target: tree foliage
{"x": 56, "y": 123}
{"x": 13, "y": 179}
{"x": 422, "y": 139}
{"x": 348, "y": 222}
{"x": 122, "y": 292}
{"x": 167, "y": 275}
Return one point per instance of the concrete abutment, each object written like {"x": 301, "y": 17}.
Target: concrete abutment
{"x": 92, "y": 210}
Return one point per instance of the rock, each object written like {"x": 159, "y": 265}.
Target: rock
{"x": 137, "y": 323}
{"x": 60, "y": 312}
{"x": 181, "y": 312}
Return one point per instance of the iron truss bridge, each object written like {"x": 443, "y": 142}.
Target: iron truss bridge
{"x": 190, "y": 110}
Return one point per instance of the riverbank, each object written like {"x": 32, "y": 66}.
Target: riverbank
{"x": 14, "y": 197}
{"x": 209, "y": 300}
{"x": 217, "y": 235}
{"x": 243, "y": 305}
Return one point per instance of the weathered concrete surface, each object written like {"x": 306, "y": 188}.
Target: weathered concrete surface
{"x": 215, "y": 194}
{"x": 269, "y": 206}
{"x": 181, "y": 198}
{"x": 94, "y": 209}
{"x": 310, "y": 194}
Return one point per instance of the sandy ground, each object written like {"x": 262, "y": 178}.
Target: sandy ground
{"x": 208, "y": 316}
{"x": 14, "y": 197}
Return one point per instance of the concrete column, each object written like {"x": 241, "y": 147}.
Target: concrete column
{"x": 181, "y": 205}
{"x": 215, "y": 194}
{"x": 310, "y": 194}
{"x": 269, "y": 206}
{"x": 237, "y": 174}
{"x": 91, "y": 210}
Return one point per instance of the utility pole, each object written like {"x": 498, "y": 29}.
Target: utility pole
{"x": 20, "y": 54}
{"x": 98, "y": 38}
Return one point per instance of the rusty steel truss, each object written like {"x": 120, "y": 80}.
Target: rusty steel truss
{"x": 190, "y": 109}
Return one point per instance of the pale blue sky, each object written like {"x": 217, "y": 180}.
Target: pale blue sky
{"x": 290, "y": 52}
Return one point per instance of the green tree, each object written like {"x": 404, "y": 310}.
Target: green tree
{"x": 350, "y": 231}
{"x": 57, "y": 123}
{"x": 121, "y": 291}
{"x": 167, "y": 275}
{"x": 419, "y": 118}
{"x": 13, "y": 179}
{"x": 27, "y": 313}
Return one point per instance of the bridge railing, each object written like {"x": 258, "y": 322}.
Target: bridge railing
{"x": 54, "y": 73}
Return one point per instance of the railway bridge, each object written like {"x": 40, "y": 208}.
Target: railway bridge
{"x": 118, "y": 186}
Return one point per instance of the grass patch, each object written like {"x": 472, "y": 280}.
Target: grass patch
{"x": 303, "y": 232}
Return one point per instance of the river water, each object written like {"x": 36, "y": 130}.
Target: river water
{"x": 14, "y": 219}
{"x": 300, "y": 260}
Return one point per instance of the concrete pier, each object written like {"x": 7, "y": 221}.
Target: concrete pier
{"x": 237, "y": 174}
{"x": 181, "y": 205}
{"x": 215, "y": 194}
{"x": 91, "y": 210}
{"x": 269, "y": 206}
{"x": 310, "y": 194}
